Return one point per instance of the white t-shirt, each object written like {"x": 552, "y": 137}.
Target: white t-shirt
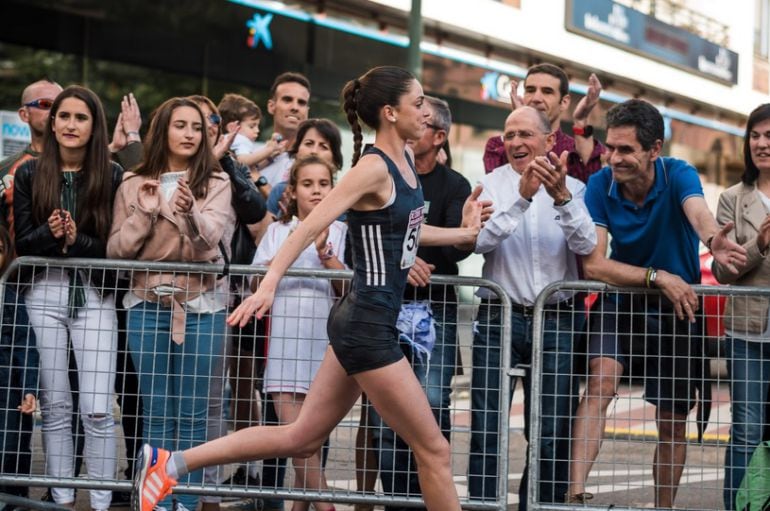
{"x": 243, "y": 145}
{"x": 299, "y": 313}
{"x": 277, "y": 171}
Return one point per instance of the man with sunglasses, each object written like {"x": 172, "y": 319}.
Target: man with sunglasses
{"x": 36, "y": 102}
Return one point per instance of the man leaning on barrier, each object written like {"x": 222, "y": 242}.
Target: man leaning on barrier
{"x": 653, "y": 207}
{"x": 539, "y": 226}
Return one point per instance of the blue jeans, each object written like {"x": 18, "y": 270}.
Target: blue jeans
{"x": 748, "y": 364}
{"x": 558, "y": 394}
{"x": 174, "y": 379}
{"x": 396, "y": 463}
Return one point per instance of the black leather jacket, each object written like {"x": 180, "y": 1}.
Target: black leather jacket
{"x": 34, "y": 238}
{"x": 247, "y": 201}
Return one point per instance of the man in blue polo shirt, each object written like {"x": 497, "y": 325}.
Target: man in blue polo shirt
{"x": 653, "y": 207}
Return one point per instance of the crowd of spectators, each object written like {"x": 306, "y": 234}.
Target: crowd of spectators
{"x": 199, "y": 186}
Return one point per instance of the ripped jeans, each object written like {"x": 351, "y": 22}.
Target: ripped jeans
{"x": 93, "y": 334}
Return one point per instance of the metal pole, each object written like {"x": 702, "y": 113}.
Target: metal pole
{"x": 414, "y": 57}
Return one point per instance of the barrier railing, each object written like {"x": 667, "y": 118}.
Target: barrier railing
{"x": 177, "y": 394}
{"x": 646, "y": 357}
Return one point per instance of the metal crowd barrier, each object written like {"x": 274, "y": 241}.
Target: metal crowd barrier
{"x": 215, "y": 364}
{"x": 622, "y": 475}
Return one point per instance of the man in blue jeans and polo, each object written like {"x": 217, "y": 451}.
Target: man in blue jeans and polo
{"x": 539, "y": 228}
{"x": 654, "y": 209}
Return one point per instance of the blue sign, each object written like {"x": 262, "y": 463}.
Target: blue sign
{"x": 16, "y": 131}
{"x": 630, "y": 29}
{"x": 496, "y": 86}
{"x": 259, "y": 30}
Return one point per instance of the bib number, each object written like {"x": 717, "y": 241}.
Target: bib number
{"x": 411, "y": 238}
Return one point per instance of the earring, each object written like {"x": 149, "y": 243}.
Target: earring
{"x": 392, "y": 119}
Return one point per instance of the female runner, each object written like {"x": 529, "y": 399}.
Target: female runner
{"x": 384, "y": 206}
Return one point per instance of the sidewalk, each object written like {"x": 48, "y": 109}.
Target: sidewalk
{"x": 631, "y": 422}
{"x": 628, "y": 417}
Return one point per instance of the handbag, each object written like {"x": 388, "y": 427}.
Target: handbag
{"x": 242, "y": 246}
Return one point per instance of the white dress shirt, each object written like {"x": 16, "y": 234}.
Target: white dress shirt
{"x": 528, "y": 245}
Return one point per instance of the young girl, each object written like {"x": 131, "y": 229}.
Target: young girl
{"x": 63, "y": 208}
{"x": 301, "y": 309}
{"x": 174, "y": 207}
{"x": 319, "y": 137}
{"x": 314, "y": 136}
{"x": 384, "y": 203}
{"x": 18, "y": 380}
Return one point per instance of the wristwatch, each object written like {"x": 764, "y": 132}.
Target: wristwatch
{"x": 262, "y": 181}
{"x": 586, "y": 131}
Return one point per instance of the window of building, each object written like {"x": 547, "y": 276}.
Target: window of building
{"x": 762, "y": 28}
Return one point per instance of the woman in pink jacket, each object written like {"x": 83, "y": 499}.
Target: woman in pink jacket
{"x": 174, "y": 208}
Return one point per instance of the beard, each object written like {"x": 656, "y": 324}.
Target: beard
{"x": 36, "y": 134}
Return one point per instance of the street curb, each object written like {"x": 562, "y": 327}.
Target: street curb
{"x": 632, "y": 434}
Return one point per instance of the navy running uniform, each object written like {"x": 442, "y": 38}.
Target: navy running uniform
{"x": 362, "y": 326}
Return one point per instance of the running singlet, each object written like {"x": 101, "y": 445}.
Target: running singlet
{"x": 384, "y": 242}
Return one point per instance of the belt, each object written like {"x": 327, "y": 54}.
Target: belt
{"x": 528, "y": 310}
{"x": 171, "y": 297}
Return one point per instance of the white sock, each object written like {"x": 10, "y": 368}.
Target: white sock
{"x": 176, "y": 467}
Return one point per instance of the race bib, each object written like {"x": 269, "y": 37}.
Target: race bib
{"x": 411, "y": 238}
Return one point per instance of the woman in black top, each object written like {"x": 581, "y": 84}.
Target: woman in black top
{"x": 63, "y": 208}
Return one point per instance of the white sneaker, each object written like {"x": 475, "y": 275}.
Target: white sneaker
{"x": 178, "y": 506}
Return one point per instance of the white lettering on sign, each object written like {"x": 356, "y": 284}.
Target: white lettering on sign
{"x": 615, "y": 27}
{"x": 719, "y": 68}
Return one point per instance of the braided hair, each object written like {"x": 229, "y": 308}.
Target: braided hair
{"x": 364, "y": 97}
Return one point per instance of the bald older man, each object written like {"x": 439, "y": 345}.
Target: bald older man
{"x": 36, "y": 102}
{"x": 539, "y": 228}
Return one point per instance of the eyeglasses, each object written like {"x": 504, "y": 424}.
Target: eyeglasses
{"x": 433, "y": 126}
{"x": 42, "y": 104}
{"x": 215, "y": 119}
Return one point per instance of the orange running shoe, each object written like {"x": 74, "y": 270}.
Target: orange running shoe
{"x": 151, "y": 483}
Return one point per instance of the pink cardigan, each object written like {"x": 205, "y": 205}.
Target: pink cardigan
{"x": 163, "y": 234}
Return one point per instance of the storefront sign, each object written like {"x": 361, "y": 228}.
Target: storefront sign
{"x": 496, "y": 86}
{"x": 630, "y": 29}
{"x": 259, "y": 30}
{"x": 15, "y": 134}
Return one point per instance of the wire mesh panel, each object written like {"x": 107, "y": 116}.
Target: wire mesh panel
{"x": 649, "y": 421}
{"x": 118, "y": 353}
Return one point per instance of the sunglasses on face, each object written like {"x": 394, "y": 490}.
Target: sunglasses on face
{"x": 215, "y": 119}
{"x": 42, "y": 104}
